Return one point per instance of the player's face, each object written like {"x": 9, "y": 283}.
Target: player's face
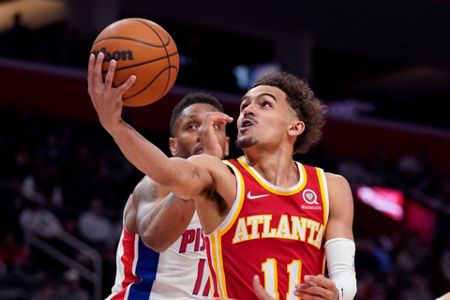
{"x": 265, "y": 117}
{"x": 187, "y": 141}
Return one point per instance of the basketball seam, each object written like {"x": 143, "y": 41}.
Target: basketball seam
{"x": 162, "y": 42}
{"x": 142, "y": 63}
{"x": 131, "y": 39}
{"x": 148, "y": 84}
{"x": 165, "y": 49}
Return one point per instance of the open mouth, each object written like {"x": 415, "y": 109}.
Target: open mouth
{"x": 247, "y": 123}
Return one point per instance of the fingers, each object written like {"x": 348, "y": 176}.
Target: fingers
{"x": 97, "y": 76}
{"x": 218, "y": 117}
{"x": 214, "y": 121}
{"x": 126, "y": 85}
{"x": 91, "y": 69}
{"x": 304, "y": 290}
{"x": 257, "y": 287}
{"x": 316, "y": 287}
{"x": 110, "y": 75}
{"x": 259, "y": 290}
{"x": 320, "y": 280}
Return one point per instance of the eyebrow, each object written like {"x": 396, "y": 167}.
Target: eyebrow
{"x": 260, "y": 95}
{"x": 189, "y": 117}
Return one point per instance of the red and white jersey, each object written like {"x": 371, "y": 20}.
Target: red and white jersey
{"x": 270, "y": 231}
{"x": 180, "y": 272}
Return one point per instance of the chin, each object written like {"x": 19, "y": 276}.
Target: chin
{"x": 245, "y": 142}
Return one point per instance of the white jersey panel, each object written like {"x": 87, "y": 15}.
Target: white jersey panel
{"x": 180, "y": 272}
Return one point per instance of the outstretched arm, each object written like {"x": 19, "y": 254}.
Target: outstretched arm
{"x": 161, "y": 216}
{"x": 181, "y": 176}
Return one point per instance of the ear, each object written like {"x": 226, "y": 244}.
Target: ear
{"x": 173, "y": 143}
{"x": 296, "y": 128}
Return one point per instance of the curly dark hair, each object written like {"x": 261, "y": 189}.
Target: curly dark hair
{"x": 188, "y": 100}
{"x": 301, "y": 98}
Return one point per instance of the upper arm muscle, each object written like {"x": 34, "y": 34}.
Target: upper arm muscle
{"x": 341, "y": 207}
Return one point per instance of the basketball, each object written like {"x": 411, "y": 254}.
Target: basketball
{"x": 142, "y": 48}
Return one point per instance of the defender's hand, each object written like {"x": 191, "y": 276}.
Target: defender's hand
{"x": 107, "y": 100}
{"x": 214, "y": 121}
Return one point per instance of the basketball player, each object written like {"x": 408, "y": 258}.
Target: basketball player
{"x": 161, "y": 252}
{"x": 276, "y": 218}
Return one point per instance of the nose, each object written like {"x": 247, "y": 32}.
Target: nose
{"x": 248, "y": 110}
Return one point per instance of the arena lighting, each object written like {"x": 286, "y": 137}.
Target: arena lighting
{"x": 33, "y": 13}
{"x": 349, "y": 108}
{"x": 247, "y": 75}
{"x": 388, "y": 201}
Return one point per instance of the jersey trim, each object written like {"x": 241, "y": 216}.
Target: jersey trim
{"x": 324, "y": 191}
{"x": 215, "y": 235}
{"x": 216, "y": 249}
{"x": 238, "y": 201}
{"x": 136, "y": 270}
{"x": 325, "y": 203}
{"x": 146, "y": 268}
{"x": 278, "y": 190}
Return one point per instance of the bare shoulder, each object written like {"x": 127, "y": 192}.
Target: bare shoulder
{"x": 147, "y": 190}
{"x": 339, "y": 191}
{"x": 145, "y": 185}
{"x": 341, "y": 207}
{"x": 337, "y": 183}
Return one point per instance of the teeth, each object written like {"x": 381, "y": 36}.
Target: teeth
{"x": 246, "y": 123}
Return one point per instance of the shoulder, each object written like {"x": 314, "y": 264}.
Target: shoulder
{"x": 337, "y": 181}
{"x": 145, "y": 184}
{"x": 341, "y": 208}
{"x": 148, "y": 189}
{"x": 339, "y": 189}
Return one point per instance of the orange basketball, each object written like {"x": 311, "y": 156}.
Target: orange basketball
{"x": 142, "y": 48}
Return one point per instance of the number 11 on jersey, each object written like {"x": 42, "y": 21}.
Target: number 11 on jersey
{"x": 294, "y": 270}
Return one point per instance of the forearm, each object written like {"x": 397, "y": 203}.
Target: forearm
{"x": 340, "y": 255}
{"x": 166, "y": 222}
{"x": 144, "y": 155}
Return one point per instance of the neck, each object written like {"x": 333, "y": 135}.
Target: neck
{"x": 276, "y": 167}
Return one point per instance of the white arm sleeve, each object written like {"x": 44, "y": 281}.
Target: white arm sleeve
{"x": 340, "y": 256}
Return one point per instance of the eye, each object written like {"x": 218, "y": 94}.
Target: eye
{"x": 216, "y": 127}
{"x": 244, "y": 105}
{"x": 191, "y": 126}
{"x": 266, "y": 104}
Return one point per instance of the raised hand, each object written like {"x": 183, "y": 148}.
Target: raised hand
{"x": 206, "y": 132}
{"x": 107, "y": 100}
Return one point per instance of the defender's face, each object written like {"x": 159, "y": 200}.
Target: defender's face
{"x": 265, "y": 116}
{"x": 186, "y": 141}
